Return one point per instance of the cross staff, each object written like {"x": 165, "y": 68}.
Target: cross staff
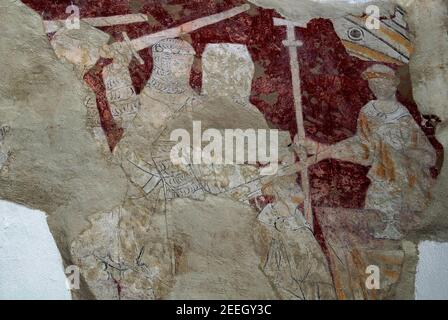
{"x": 292, "y": 44}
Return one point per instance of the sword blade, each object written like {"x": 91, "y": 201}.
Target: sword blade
{"x": 151, "y": 39}
{"x": 54, "y": 25}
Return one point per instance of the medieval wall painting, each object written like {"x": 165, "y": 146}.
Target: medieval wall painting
{"x": 355, "y": 164}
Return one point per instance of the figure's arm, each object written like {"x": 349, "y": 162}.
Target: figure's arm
{"x": 355, "y": 149}
{"x": 419, "y": 147}
{"x": 351, "y": 149}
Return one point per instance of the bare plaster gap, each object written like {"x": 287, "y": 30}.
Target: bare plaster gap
{"x": 432, "y": 274}
{"x": 30, "y": 263}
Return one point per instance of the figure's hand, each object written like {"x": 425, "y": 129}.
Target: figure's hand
{"x": 118, "y": 51}
{"x": 312, "y": 147}
{"x": 317, "y": 151}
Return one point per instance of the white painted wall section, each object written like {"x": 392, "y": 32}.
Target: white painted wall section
{"x": 432, "y": 271}
{"x": 30, "y": 263}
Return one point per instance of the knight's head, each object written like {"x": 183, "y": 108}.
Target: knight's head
{"x": 227, "y": 70}
{"x": 80, "y": 47}
{"x": 382, "y": 81}
{"x": 173, "y": 59}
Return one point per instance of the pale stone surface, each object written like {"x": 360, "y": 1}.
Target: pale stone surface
{"x": 233, "y": 82}
{"x": 122, "y": 253}
{"x": 216, "y": 255}
{"x": 54, "y": 164}
{"x": 428, "y": 23}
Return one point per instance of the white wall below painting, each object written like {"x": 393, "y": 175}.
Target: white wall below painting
{"x": 30, "y": 263}
{"x": 432, "y": 271}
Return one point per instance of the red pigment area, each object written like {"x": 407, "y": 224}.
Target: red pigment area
{"x": 333, "y": 91}
{"x": 95, "y": 80}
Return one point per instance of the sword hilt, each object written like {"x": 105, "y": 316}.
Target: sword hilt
{"x": 131, "y": 48}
